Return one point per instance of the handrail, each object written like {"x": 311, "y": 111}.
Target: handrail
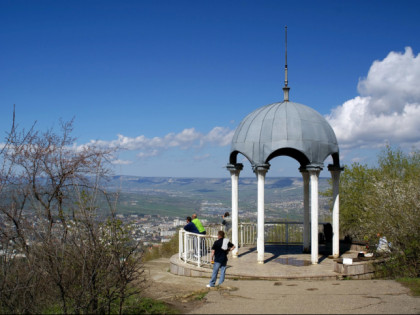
{"x": 195, "y": 248}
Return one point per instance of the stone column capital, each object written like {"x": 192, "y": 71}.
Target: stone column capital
{"x": 314, "y": 171}
{"x": 261, "y": 168}
{"x": 235, "y": 169}
{"x": 311, "y": 168}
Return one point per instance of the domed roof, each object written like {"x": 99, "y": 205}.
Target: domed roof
{"x": 285, "y": 128}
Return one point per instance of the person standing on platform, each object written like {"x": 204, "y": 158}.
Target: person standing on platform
{"x": 198, "y": 224}
{"x": 227, "y": 223}
{"x": 219, "y": 253}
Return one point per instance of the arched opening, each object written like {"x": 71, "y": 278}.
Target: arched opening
{"x": 291, "y": 152}
{"x": 233, "y": 158}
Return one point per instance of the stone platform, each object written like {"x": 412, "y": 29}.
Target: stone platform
{"x": 282, "y": 262}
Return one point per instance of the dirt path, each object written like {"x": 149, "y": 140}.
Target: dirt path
{"x": 183, "y": 293}
{"x": 190, "y": 295}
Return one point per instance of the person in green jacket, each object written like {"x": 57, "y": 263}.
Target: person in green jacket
{"x": 198, "y": 224}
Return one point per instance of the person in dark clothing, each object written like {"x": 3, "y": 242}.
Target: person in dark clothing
{"x": 328, "y": 232}
{"x": 226, "y": 222}
{"x": 190, "y": 227}
{"x": 219, "y": 253}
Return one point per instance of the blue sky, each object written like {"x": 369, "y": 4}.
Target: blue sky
{"x": 169, "y": 81}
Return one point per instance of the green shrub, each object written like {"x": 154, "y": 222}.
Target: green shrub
{"x": 386, "y": 200}
{"x": 138, "y": 305}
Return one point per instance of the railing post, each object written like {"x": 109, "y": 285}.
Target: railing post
{"x": 186, "y": 249}
{"x": 205, "y": 249}
{"x": 180, "y": 244}
{"x": 287, "y": 233}
{"x": 199, "y": 250}
{"x": 242, "y": 235}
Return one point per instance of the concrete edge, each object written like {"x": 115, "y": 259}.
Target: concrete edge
{"x": 180, "y": 268}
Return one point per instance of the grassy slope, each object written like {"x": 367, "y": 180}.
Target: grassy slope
{"x": 412, "y": 283}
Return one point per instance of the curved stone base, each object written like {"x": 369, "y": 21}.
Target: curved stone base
{"x": 248, "y": 272}
{"x": 179, "y": 267}
{"x": 280, "y": 263}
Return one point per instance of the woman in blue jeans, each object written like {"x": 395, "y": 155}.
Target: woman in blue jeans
{"x": 219, "y": 253}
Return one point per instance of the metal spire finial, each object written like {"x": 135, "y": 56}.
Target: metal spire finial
{"x": 285, "y": 67}
{"x": 286, "y": 88}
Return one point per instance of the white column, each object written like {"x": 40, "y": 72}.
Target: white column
{"x": 314, "y": 173}
{"x": 261, "y": 171}
{"x": 335, "y": 174}
{"x": 306, "y": 220}
{"x": 234, "y": 175}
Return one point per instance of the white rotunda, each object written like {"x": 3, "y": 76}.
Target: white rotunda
{"x": 298, "y": 131}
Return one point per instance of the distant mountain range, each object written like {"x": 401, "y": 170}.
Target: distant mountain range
{"x": 179, "y": 196}
{"x": 126, "y": 182}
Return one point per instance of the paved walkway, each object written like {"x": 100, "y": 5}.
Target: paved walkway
{"x": 286, "y": 296}
{"x": 311, "y": 297}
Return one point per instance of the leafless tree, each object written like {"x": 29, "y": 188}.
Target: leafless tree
{"x": 61, "y": 243}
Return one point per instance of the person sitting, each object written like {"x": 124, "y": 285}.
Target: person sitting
{"x": 190, "y": 227}
{"x": 383, "y": 245}
{"x": 198, "y": 224}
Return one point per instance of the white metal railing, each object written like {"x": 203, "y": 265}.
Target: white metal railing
{"x": 195, "y": 248}
{"x": 282, "y": 232}
{"x": 247, "y": 234}
{"x": 213, "y": 229}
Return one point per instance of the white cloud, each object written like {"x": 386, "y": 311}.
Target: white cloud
{"x": 149, "y": 153}
{"x": 187, "y": 138}
{"x": 388, "y": 108}
{"x": 219, "y": 136}
{"x": 122, "y": 162}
